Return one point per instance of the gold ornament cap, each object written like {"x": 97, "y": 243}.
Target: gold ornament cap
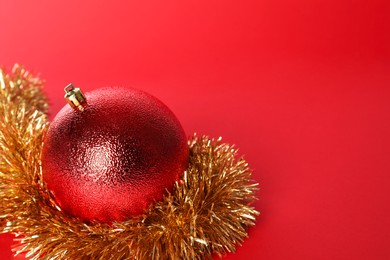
{"x": 75, "y": 97}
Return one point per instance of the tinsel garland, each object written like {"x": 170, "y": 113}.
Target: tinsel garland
{"x": 208, "y": 212}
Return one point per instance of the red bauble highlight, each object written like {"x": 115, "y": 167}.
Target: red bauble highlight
{"x": 112, "y": 160}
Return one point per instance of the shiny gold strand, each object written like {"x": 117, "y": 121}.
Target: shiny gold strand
{"x": 208, "y": 212}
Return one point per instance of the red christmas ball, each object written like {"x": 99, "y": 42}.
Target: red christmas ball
{"x": 110, "y": 161}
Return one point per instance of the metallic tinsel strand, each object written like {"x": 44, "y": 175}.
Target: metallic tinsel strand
{"x": 208, "y": 212}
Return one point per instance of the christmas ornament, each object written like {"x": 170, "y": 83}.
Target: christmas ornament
{"x": 207, "y": 212}
{"x": 114, "y": 153}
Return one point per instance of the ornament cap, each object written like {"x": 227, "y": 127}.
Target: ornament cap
{"x": 75, "y": 97}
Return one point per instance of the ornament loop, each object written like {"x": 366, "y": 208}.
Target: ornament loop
{"x": 75, "y": 97}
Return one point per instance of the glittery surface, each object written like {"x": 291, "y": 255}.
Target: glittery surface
{"x": 207, "y": 213}
{"x": 112, "y": 160}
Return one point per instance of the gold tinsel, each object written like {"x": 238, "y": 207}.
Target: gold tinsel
{"x": 208, "y": 212}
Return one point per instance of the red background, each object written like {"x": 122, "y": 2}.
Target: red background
{"x": 301, "y": 87}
